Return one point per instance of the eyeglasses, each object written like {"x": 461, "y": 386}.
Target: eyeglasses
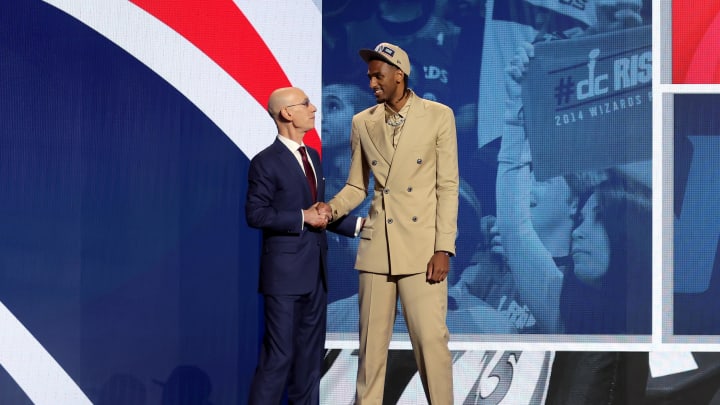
{"x": 306, "y": 103}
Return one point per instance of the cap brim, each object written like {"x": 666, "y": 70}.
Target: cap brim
{"x": 369, "y": 54}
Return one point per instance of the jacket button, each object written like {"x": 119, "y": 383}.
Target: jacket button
{"x": 419, "y": 161}
{"x": 374, "y": 162}
{"x": 409, "y": 189}
{"x": 386, "y": 191}
{"x": 414, "y": 219}
{"x": 390, "y": 221}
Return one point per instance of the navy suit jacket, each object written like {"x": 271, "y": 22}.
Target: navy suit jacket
{"x": 292, "y": 254}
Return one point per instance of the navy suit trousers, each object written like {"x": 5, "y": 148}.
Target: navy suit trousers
{"x": 293, "y": 348}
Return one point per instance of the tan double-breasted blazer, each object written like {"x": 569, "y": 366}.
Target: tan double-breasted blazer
{"x": 415, "y": 198}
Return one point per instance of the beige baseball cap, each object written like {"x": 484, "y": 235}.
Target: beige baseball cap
{"x": 389, "y": 53}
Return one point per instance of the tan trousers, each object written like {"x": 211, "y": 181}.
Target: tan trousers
{"x": 425, "y": 309}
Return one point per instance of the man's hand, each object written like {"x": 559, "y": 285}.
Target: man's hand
{"x": 324, "y": 209}
{"x": 615, "y": 15}
{"x": 438, "y": 267}
{"x": 314, "y": 218}
{"x": 520, "y": 61}
{"x": 514, "y": 74}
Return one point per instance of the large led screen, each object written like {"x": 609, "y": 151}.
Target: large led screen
{"x": 560, "y": 245}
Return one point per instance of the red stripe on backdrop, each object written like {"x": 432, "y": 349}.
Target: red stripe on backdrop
{"x": 224, "y": 34}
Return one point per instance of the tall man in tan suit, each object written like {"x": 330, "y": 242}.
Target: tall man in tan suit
{"x": 410, "y": 146}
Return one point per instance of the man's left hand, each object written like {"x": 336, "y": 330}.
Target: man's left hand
{"x": 438, "y": 267}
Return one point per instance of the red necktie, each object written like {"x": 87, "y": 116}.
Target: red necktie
{"x": 309, "y": 174}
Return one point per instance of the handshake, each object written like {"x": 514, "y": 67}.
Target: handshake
{"x": 318, "y": 215}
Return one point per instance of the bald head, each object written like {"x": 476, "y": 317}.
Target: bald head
{"x": 283, "y": 97}
{"x": 292, "y": 112}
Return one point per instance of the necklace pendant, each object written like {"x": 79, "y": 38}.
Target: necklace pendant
{"x": 395, "y": 120}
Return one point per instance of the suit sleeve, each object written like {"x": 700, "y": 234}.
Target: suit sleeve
{"x": 356, "y": 186}
{"x": 448, "y": 179}
{"x": 345, "y": 226}
{"x": 260, "y": 205}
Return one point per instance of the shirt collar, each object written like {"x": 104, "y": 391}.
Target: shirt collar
{"x": 289, "y": 143}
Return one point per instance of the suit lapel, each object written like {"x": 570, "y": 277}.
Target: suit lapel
{"x": 290, "y": 162}
{"x": 414, "y": 123}
{"x": 375, "y": 126}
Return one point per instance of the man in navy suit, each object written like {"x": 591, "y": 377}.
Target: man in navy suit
{"x": 285, "y": 184}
